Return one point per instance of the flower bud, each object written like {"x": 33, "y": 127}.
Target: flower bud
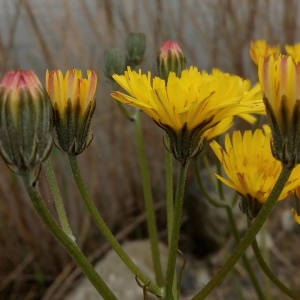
{"x": 170, "y": 59}
{"x": 280, "y": 79}
{"x": 114, "y": 63}
{"x": 25, "y": 121}
{"x": 135, "y": 49}
{"x": 73, "y": 101}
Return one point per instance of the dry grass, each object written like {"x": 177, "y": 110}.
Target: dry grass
{"x": 67, "y": 34}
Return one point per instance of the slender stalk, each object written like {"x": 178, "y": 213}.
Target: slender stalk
{"x": 151, "y": 287}
{"x": 270, "y": 274}
{"x": 67, "y": 242}
{"x": 245, "y": 259}
{"x": 249, "y": 235}
{"x": 171, "y": 267}
{"x": 170, "y": 206}
{"x": 169, "y": 192}
{"x": 234, "y": 230}
{"x": 148, "y": 197}
{"x": 265, "y": 252}
{"x": 59, "y": 204}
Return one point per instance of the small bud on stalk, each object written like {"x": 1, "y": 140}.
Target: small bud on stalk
{"x": 25, "y": 122}
{"x": 114, "y": 63}
{"x": 135, "y": 49}
{"x": 170, "y": 59}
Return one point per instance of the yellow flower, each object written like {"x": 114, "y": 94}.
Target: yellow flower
{"x": 73, "y": 101}
{"x": 294, "y": 51}
{"x": 185, "y": 107}
{"x": 251, "y": 168}
{"x": 261, "y": 48}
{"x": 280, "y": 83}
{"x": 71, "y": 87}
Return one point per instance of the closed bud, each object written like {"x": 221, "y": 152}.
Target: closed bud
{"x": 73, "y": 101}
{"x": 135, "y": 49}
{"x": 170, "y": 59}
{"x": 114, "y": 63}
{"x": 280, "y": 79}
{"x": 25, "y": 122}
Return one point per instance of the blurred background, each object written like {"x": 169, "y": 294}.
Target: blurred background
{"x": 67, "y": 34}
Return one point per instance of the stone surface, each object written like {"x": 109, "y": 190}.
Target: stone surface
{"x": 116, "y": 274}
{"x": 122, "y": 281}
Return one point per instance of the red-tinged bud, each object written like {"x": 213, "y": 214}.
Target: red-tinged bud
{"x": 25, "y": 121}
{"x": 170, "y": 59}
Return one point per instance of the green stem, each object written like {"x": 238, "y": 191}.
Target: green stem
{"x": 170, "y": 205}
{"x": 169, "y": 192}
{"x": 249, "y": 235}
{"x": 67, "y": 242}
{"x": 269, "y": 273}
{"x": 245, "y": 259}
{"x": 171, "y": 267}
{"x": 59, "y": 204}
{"x": 234, "y": 229}
{"x": 104, "y": 228}
{"x": 150, "y": 211}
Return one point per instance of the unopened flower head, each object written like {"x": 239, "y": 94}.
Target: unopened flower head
{"x": 280, "y": 83}
{"x": 114, "y": 63}
{"x": 262, "y": 48}
{"x": 170, "y": 59}
{"x": 251, "y": 168}
{"x": 73, "y": 101}
{"x": 135, "y": 48}
{"x": 187, "y": 106}
{"x": 25, "y": 121}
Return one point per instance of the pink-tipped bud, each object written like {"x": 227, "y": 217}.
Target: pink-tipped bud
{"x": 170, "y": 59}
{"x": 25, "y": 121}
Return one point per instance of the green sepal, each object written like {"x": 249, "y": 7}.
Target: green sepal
{"x": 185, "y": 143}
{"x": 250, "y": 206}
{"x": 25, "y": 125}
{"x": 72, "y": 128}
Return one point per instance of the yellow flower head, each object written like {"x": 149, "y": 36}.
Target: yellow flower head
{"x": 71, "y": 87}
{"x": 251, "y": 168}
{"x": 73, "y": 101}
{"x": 294, "y": 51}
{"x": 261, "y": 48}
{"x": 280, "y": 83}
{"x": 185, "y": 107}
